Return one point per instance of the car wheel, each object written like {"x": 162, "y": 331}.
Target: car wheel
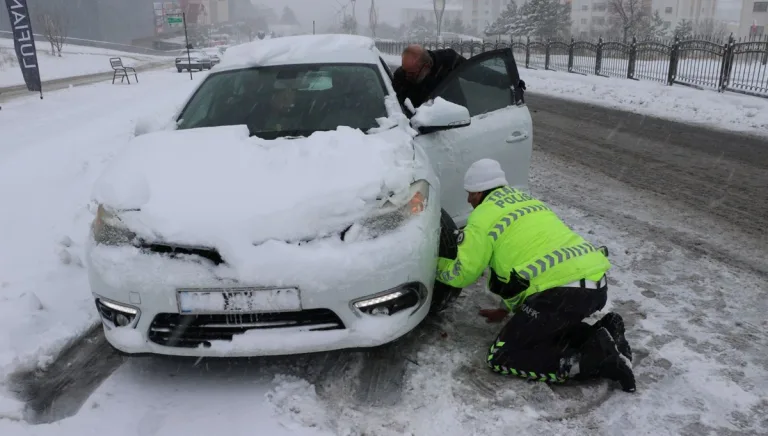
{"x": 443, "y": 295}
{"x": 179, "y": 69}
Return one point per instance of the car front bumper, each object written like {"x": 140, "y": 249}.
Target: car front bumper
{"x": 343, "y": 274}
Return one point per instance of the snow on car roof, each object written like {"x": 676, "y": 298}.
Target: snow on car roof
{"x": 302, "y": 49}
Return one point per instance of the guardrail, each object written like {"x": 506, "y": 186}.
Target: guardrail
{"x": 40, "y": 40}
{"x": 733, "y": 65}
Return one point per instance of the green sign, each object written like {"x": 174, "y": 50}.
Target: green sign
{"x": 174, "y": 20}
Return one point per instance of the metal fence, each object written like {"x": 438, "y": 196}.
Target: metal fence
{"x": 732, "y": 65}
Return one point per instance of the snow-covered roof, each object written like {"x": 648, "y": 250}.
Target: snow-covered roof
{"x": 302, "y": 49}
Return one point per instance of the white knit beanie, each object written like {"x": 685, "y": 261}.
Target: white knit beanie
{"x": 484, "y": 175}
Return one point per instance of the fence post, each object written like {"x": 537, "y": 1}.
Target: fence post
{"x": 673, "y": 56}
{"x": 546, "y": 55}
{"x": 632, "y": 59}
{"x": 570, "y": 55}
{"x": 599, "y": 56}
{"x": 725, "y": 67}
{"x": 765, "y": 55}
{"x": 527, "y": 52}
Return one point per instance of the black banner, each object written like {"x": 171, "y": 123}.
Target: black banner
{"x": 24, "y": 43}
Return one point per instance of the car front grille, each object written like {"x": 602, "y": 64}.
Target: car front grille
{"x": 190, "y": 331}
{"x": 175, "y": 250}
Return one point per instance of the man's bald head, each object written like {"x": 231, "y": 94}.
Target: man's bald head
{"x": 416, "y": 62}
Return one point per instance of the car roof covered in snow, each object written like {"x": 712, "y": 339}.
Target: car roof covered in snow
{"x": 301, "y": 49}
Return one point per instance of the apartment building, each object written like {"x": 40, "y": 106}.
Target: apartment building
{"x": 426, "y": 10}
{"x": 478, "y": 14}
{"x": 754, "y": 19}
{"x": 698, "y": 12}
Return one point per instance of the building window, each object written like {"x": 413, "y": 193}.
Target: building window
{"x": 757, "y": 31}
{"x": 668, "y": 10}
{"x": 583, "y": 21}
{"x": 585, "y": 8}
{"x": 599, "y": 7}
{"x": 760, "y": 7}
{"x": 599, "y": 20}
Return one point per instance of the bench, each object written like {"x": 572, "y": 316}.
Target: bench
{"x": 122, "y": 71}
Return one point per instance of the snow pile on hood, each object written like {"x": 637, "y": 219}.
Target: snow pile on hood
{"x": 218, "y": 186}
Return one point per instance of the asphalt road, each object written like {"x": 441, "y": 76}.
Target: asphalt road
{"x": 715, "y": 182}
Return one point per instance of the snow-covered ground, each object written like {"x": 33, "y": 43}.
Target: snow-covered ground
{"x": 75, "y": 60}
{"x": 729, "y": 111}
{"x": 51, "y": 153}
{"x": 697, "y": 325}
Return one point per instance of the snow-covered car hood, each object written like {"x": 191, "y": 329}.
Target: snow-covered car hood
{"x": 216, "y": 185}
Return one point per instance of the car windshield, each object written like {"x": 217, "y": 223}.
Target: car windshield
{"x": 289, "y": 100}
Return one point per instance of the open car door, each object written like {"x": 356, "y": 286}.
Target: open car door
{"x": 501, "y": 128}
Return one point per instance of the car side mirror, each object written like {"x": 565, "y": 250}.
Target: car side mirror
{"x": 440, "y": 114}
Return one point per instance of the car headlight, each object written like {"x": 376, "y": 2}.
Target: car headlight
{"x": 397, "y": 209}
{"x": 108, "y": 229}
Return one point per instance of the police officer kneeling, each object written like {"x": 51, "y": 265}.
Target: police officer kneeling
{"x": 549, "y": 277}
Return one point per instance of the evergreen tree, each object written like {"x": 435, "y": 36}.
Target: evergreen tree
{"x": 684, "y": 29}
{"x": 456, "y": 26}
{"x": 652, "y": 27}
{"x": 421, "y": 29}
{"x": 508, "y": 23}
{"x": 541, "y": 19}
{"x": 289, "y": 17}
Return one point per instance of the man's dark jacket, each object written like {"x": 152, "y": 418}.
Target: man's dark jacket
{"x": 443, "y": 62}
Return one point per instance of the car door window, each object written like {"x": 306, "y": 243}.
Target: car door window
{"x": 484, "y": 83}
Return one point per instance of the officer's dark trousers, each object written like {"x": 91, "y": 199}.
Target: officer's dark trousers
{"x": 539, "y": 340}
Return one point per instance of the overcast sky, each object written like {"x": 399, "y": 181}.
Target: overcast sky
{"x": 324, "y": 11}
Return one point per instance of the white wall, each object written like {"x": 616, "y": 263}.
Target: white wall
{"x": 750, "y": 17}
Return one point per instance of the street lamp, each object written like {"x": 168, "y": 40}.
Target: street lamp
{"x": 439, "y": 10}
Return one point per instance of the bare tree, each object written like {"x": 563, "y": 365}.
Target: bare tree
{"x": 55, "y": 27}
{"x": 373, "y": 18}
{"x": 628, "y": 15}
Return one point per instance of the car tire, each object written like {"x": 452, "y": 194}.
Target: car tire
{"x": 444, "y": 295}
{"x": 179, "y": 69}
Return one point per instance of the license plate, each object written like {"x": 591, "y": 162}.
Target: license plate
{"x": 234, "y": 300}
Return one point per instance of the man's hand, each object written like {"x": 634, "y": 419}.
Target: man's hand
{"x": 493, "y": 315}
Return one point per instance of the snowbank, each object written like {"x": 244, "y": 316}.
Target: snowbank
{"x": 250, "y": 190}
{"x": 727, "y": 111}
{"x": 52, "y": 152}
{"x": 75, "y": 61}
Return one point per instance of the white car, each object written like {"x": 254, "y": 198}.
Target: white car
{"x": 195, "y": 60}
{"x": 294, "y": 207}
{"x": 213, "y": 53}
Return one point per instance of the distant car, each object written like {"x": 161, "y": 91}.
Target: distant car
{"x": 294, "y": 207}
{"x": 214, "y": 53}
{"x": 196, "y": 60}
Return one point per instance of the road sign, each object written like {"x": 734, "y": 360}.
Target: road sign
{"x": 174, "y": 20}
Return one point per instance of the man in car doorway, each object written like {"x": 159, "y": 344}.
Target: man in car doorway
{"x": 549, "y": 277}
{"x": 421, "y": 71}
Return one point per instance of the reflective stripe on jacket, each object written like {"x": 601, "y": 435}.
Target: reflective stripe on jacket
{"x": 512, "y": 232}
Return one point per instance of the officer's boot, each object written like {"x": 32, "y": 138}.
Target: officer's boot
{"x": 613, "y": 322}
{"x": 601, "y": 358}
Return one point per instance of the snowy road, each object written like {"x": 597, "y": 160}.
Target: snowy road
{"x": 681, "y": 210}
